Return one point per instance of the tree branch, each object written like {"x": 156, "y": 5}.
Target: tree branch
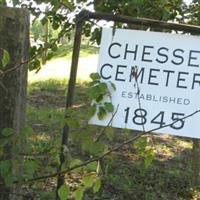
{"x": 17, "y": 66}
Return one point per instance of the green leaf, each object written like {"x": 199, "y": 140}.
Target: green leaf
{"x": 94, "y": 148}
{"x": 68, "y": 5}
{"x": 97, "y": 185}
{"x": 108, "y": 106}
{"x": 32, "y": 51}
{"x": 79, "y": 193}
{"x": 92, "y": 110}
{"x": 92, "y": 166}
{"x": 88, "y": 181}
{"x": 30, "y": 167}
{"x": 44, "y": 20}
{"x": 75, "y": 162}
{"x": 5, "y": 59}
{"x": 9, "y": 180}
{"x": 99, "y": 98}
{"x": 64, "y": 192}
{"x": 101, "y": 113}
{"x": 6, "y": 172}
{"x": 7, "y": 132}
{"x": 5, "y": 167}
{"x": 103, "y": 88}
{"x": 35, "y": 65}
{"x": 55, "y": 25}
{"x": 94, "y": 92}
{"x": 95, "y": 76}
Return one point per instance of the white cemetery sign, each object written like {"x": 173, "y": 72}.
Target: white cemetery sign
{"x": 167, "y": 69}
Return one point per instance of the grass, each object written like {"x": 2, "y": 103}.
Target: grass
{"x": 123, "y": 173}
{"x": 66, "y": 51}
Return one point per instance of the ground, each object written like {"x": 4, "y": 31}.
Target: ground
{"x": 161, "y": 171}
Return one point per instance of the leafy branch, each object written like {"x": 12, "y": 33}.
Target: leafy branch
{"x": 34, "y": 57}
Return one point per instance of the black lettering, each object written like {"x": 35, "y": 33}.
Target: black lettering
{"x": 131, "y": 51}
{"x": 181, "y": 79}
{"x": 179, "y": 100}
{"x": 162, "y": 55}
{"x": 191, "y": 57}
{"x": 148, "y": 97}
{"x": 146, "y": 53}
{"x": 195, "y": 76}
{"x": 138, "y": 74}
{"x": 130, "y": 95}
{"x": 181, "y": 59}
{"x": 151, "y": 76}
{"x": 172, "y": 100}
{"x": 186, "y": 102}
{"x": 165, "y": 99}
{"x": 102, "y": 70}
{"x": 118, "y": 72}
{"x": 109, "y": 50}
{"x": 168, "y": 74}
{"x": 142, "y": 97}
{"x": 124, "y": 94}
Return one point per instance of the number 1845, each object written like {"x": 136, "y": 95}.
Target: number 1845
{"x": 139, "y": 117}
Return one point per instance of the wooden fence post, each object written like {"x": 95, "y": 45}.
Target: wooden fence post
{"x": 14, "y": 38}
{"x": 196, "y": 162}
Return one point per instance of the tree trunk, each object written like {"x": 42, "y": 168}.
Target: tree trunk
{"x": 14, "y": 38}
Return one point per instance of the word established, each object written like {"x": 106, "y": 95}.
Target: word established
{"x": 157, "y": 80}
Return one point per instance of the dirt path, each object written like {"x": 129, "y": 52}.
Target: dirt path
{"x": 60, "y": 69}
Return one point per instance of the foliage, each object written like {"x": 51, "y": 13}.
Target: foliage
{"x": 193, "y": 14}
{"x": 63, "y": 192}
{"x": 124, "y": 172}
{"x": 59, "y": 17}
{"x": 131, "y": 173}
{"x": 39, "y": 149}
{"x": 38, "y": 31}
{"x": 100, "y": 94}
{"x": 4, "y": 58}
{"x": 159, "y": 9}
{"x": 9, "y": 165}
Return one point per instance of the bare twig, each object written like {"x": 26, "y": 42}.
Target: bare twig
{"x": 17, "y": 66}
{"x": 134, "y": 74}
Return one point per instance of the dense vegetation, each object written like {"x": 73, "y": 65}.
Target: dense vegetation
{"x": 100, "y": 163}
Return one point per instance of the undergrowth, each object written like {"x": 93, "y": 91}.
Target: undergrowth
{"x": 124, "y": 174}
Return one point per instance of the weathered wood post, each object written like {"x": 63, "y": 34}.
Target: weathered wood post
{"x": 196, "y": 162}
{"x": 14, "y": 37}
